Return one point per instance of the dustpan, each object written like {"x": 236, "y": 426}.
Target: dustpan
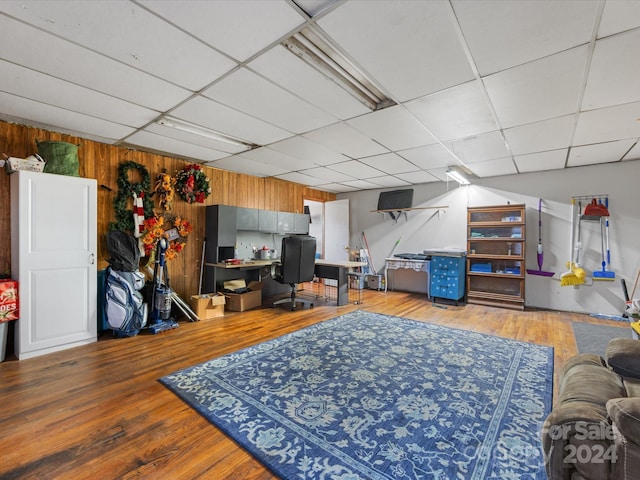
{"x": 595, "y": 209}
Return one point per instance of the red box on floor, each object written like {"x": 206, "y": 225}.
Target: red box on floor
{"x": 8, "y": 300}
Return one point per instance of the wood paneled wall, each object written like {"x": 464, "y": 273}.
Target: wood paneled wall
{"x": 101, "y": 161}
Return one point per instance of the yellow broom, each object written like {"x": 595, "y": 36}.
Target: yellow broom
{"x": 575, "y": 275}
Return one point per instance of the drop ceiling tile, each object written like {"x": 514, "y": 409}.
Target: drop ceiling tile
{"x": 336, "y": 188}
{"x": 240, "y": 164}
{"x": 418, "y": 177}
{"x": 131, "y": 35}
{"x": 615, "y": 69}
{"x": 210, "y": 114}
{"x": 411, "y": 51}
{"x": 539, "y": 90}
{"x": 541, "y": 136}
{"x": 278, "y": 159}
{"x": 503, "y": 34}
{"x": 253, "y": 95}
{"x": 618, "y": 17}
{"x": 388, "y": 181}
{"x": 441, "y": 174}
{"x": 36, "y": 86}
{"x": 237, "y": 28}
{"x": 31, "y": 48}
{"x": 344, "y": 139}
{"x": 61, "y": 120}
{"x": 493, "y": 168}
{"x": 480, "y": 148}
{"x": 394, "y": 127}
{"x": 301, "y": 147}
{"x": 361, "y": 184}
{"x": 598, "y": 153}
{"x": 193, "y": 138}
{"x": 458, "y": 112}
{"x": 537, "y": 162}
{"x": 608, "y": 124}
{"x": 431, "y": 156}
{"x": 287, "y": 70}
{"x": 314, "y": 7}
{"x": 179, "y": 149}
{"x": 634, "y": 153}
{"x": 301, "y": 178}
{"x": 356, "y": 169}
{"x": 327, "y": 174}
{"x": 390, "y": 163}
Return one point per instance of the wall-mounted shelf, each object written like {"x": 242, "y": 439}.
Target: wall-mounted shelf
{"x": 399, "y": 211}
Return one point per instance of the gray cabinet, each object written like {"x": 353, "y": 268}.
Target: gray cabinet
{"x": 247, "y": 219}
{"x": 267, "y": 221}
{"x": 301, "y": 223}
{"x": 285, "y": 222}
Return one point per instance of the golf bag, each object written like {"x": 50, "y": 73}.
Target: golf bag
{"x": 125, "y": 308}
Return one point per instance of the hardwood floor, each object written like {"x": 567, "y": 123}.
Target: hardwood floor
{"x": 98, "y": 411}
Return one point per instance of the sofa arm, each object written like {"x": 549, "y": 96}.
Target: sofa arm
{"x": 623, "y": 356}
{"x": 625, "y": 415}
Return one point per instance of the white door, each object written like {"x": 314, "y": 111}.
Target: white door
{"x": 53, "y": 255}
{"x": 336, "y": 230}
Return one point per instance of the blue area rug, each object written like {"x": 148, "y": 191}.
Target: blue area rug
{"x": 370, "y": 396}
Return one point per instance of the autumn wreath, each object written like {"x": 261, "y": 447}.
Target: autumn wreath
{"x": 192, "y": 185}
{"x": 175, "y": 229}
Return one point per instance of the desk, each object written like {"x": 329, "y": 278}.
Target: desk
{"x": 331, "y": 269}
{"x": 396, "y": 263}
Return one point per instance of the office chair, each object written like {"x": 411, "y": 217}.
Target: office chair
{"x": 297, "y": 265}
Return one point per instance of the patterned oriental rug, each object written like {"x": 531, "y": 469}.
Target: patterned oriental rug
{"x": 370, "y": 396}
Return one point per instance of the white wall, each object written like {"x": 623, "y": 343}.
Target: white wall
{"x": 430, "y": 229}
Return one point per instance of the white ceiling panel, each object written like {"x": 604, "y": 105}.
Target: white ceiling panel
{"x": 301, "y": 147}
{"x": 361, "y": 184}
{"x": 62, "y": 120}
{"x": 236, "y": 27}
{"x": 541, "y": 136}
{"x": 480, "y": 148}
{"x": 175, "y": 147}
{"x": 608, "y": 124}
{"x": 31, "y": 47}
{"x": 344, "y": 139}
{"x": 36, "y": 86}
{"x": 193, "y": 139}
{"x": 389, "y": 163}
{"x": 539, "y": 90}
{"x": 388, "y": 181}
{"x": 250, "y": 93}
{"x": 220, "y": 118}
{"x": 278, "y": 159}
{"x": 416, "y": 178}
{"x": 537, "y": 162}
{"x": 618, "y": 16}
{"x": 598, "y": 153}
{"x": 240, "y": 164}
{"x": 298, "y": 177}
{"x": 429, "y": 157}
{"x": 356, "y": 169}
{"x": 287, "y": 70}
{"x": 395, "y": 128}
{"x": 336, "y": 187}
{"x": 613, "y": 78}
{"x": 493, "y": 168}
{"x": 634, "y": 153}
{"x": 401, "y": 46}
{"x": 130, "y": 34}
{"x": 327, "y": 174}
{"x": 503, "y": 34}
{"x": 458, "y": 112}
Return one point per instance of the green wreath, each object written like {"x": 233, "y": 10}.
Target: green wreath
{"x": 126, "y": 189}
{"x": 192, "y": 184}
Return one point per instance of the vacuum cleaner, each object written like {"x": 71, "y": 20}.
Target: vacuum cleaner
{"x": 161, "y": 295}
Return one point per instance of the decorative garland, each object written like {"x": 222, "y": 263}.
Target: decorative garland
{"x": 164, "y": 190}
{"x": 126, "y": 190}
{"x": 177, "y": 229}
{"x": 192, "y": 185}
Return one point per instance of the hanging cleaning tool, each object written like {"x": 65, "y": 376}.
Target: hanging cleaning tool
{"x": 579, "y": 271}
{"x": 540, "y": 250}
{"x": 569, "y": 277}
{"x": 604, "y": 274}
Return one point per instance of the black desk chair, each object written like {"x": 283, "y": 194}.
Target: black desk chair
{"x": 297, "y": 265}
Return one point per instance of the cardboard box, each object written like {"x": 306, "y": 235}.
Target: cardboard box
{"x": 374, "y": 282}
{"x": 33, "y": 163}
{"x": 9, "y": 302}
{"x": 239, "y": 302}
{"x": 208, "y": 305}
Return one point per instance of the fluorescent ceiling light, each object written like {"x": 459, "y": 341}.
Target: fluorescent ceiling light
{"x": 457, "y": 175}
{"x": 317, "y": 51}
{"x": 204, "y": 132}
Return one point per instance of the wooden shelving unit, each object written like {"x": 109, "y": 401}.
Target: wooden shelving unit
{"x": 495, "y": 255}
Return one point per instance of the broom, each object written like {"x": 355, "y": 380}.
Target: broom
{"x": 569, "y": 277}
{"x": 540, "y": 250}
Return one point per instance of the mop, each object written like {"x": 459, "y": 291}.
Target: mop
{"x": 540, "y": 251}
{"x": 570, "y": 277}
{"x": 604, "y": 274}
